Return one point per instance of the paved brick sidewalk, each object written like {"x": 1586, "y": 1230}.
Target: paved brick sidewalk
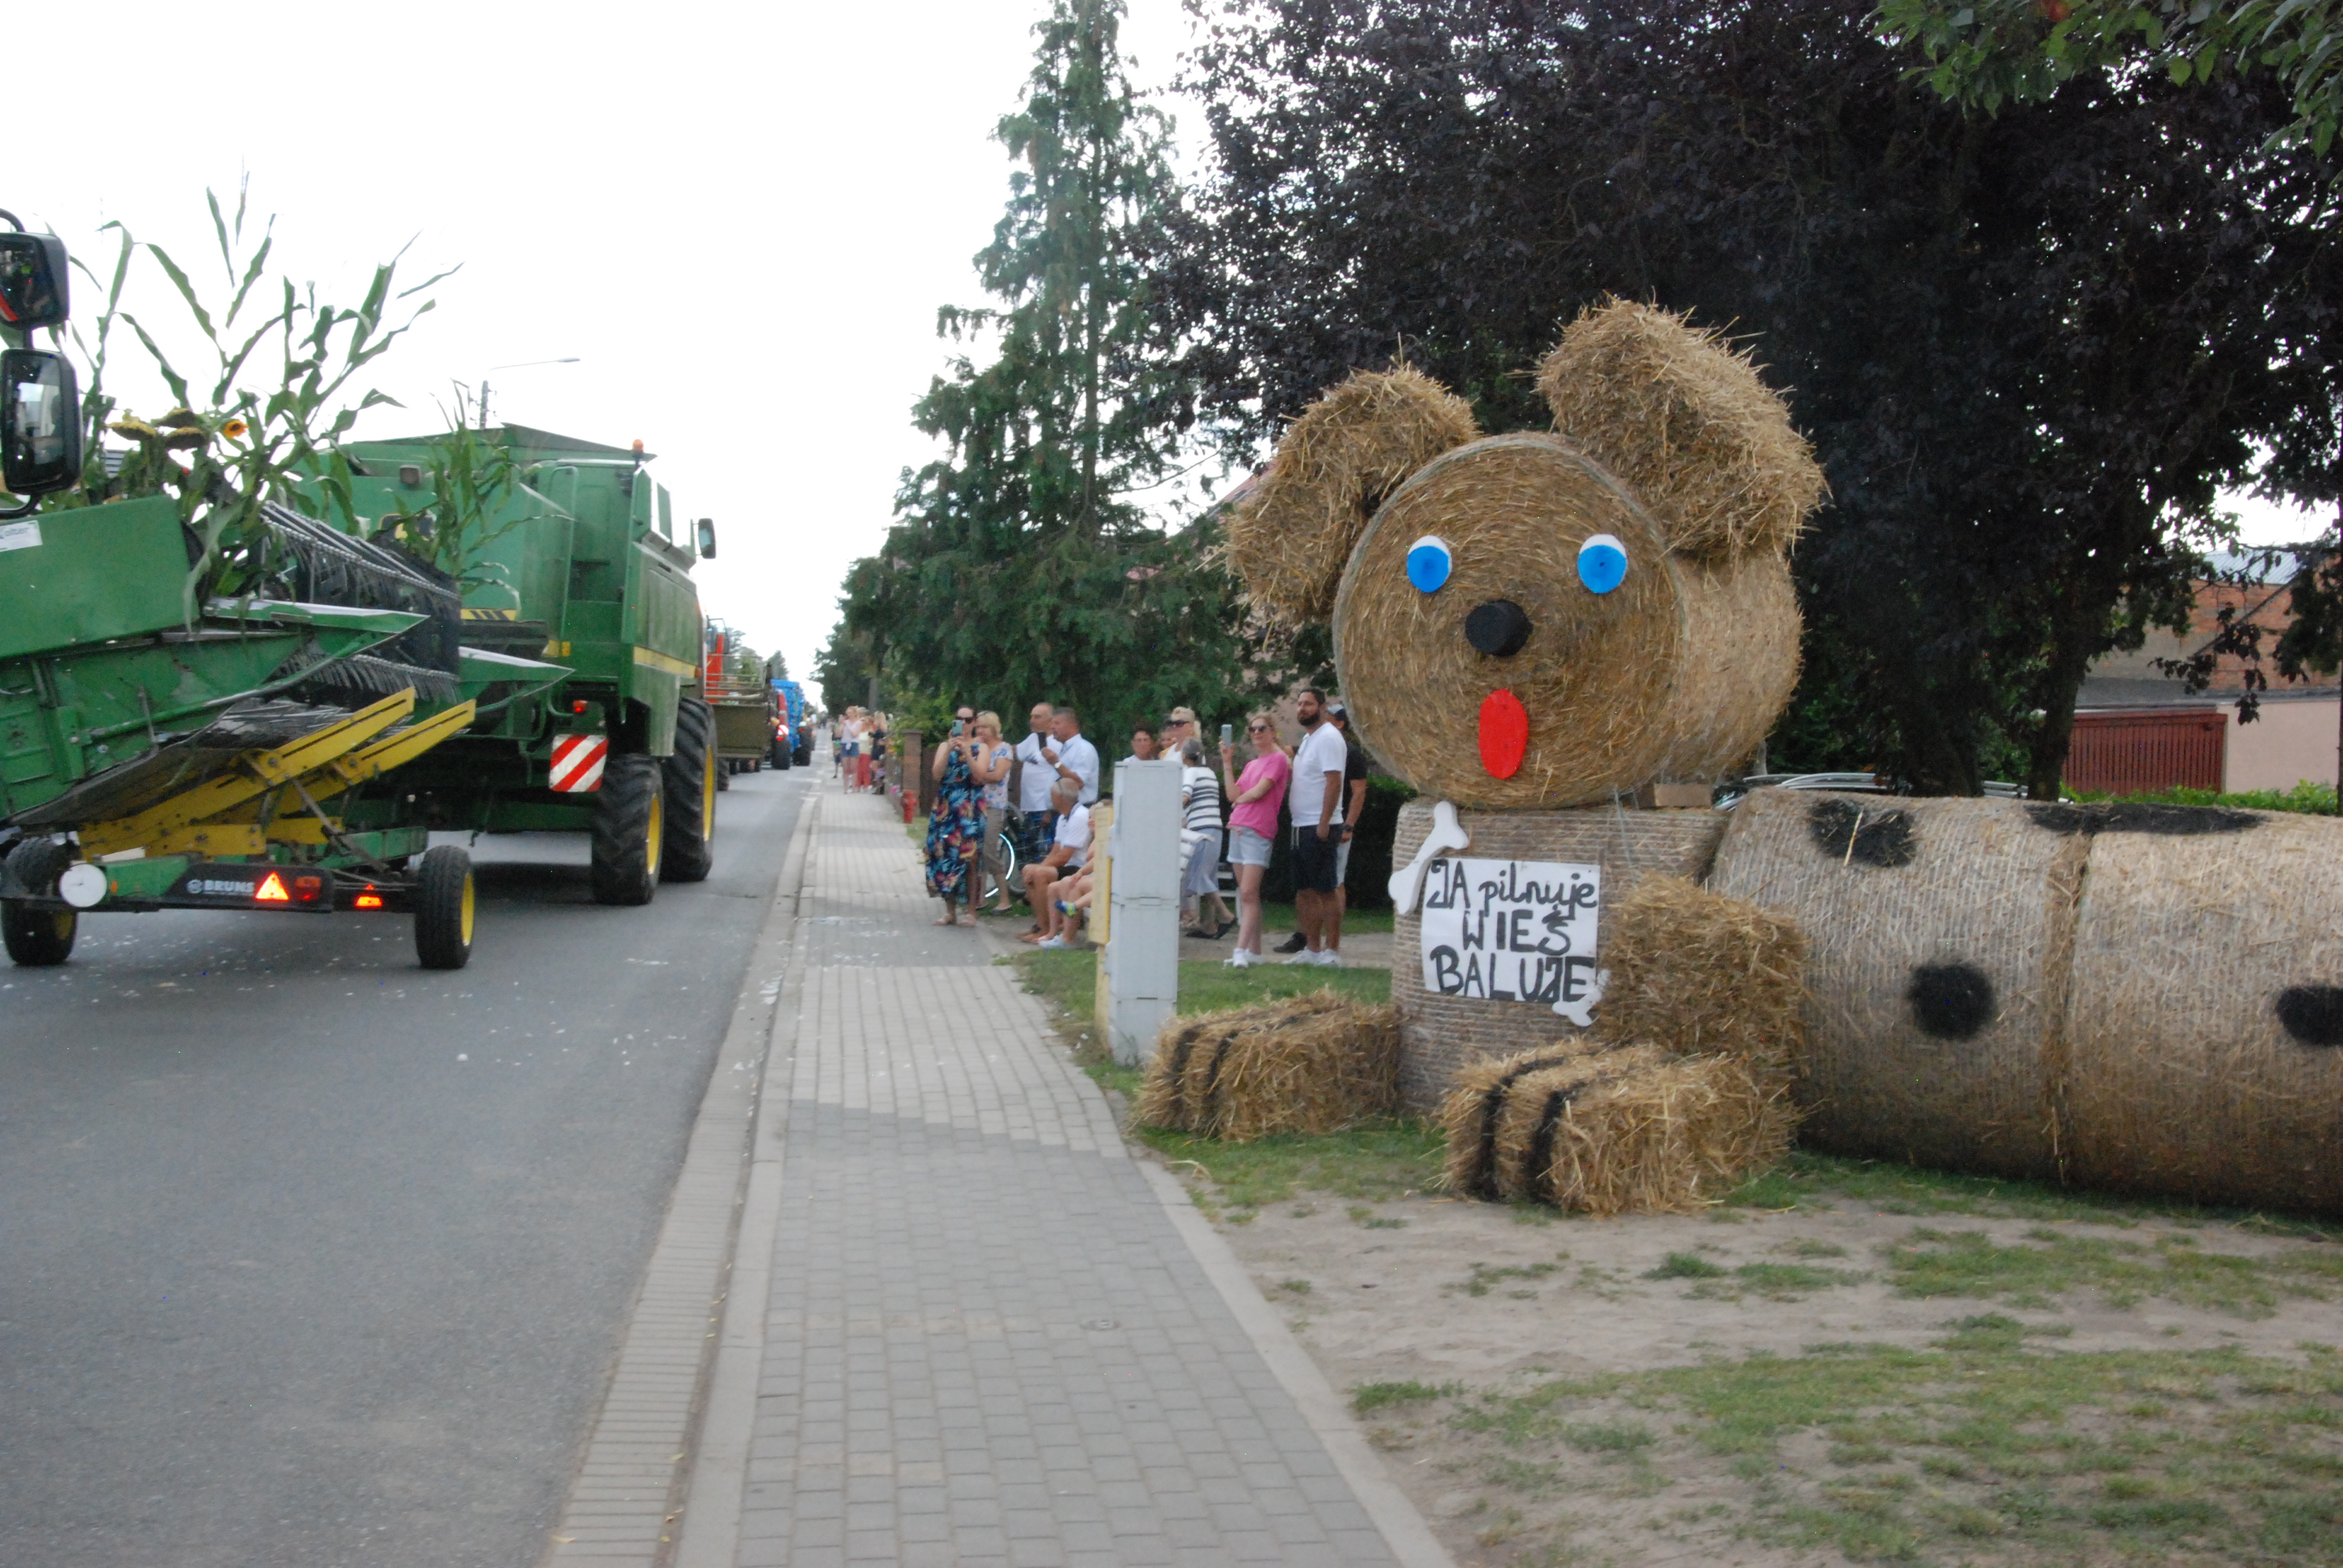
{"x": 986, "y": 1342}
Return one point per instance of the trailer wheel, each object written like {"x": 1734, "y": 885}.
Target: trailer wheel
{"x": 37, "y": 938}
{"x": 443, "y": 907}
{"x": 690, "y": 778}
{"x": 629, "y": 830}
{"x": 780, "y": 755}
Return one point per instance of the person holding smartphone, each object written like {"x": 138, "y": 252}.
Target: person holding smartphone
{"x": 956, "y": 822}
{"x": 1254, "y": 800}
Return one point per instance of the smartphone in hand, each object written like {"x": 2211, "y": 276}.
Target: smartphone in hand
{"x": 1228, "y": 736}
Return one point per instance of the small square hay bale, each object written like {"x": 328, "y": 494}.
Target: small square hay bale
{"x": 1490, "y": 1115}
{"x": 1612, "y": 1131}
{"x": 1313, "y": 1064}
{"x": 1696, "y": 972}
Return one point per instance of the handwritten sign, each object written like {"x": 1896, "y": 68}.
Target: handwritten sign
{"x": 1513, "y": 931}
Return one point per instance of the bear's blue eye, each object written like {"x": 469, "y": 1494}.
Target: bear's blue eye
{"x": 1428, "y": 562}
{"x": 1602, "y": 563}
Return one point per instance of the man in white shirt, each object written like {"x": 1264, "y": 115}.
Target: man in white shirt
{"x": 1314, "y": 801}
{"x": 1062, "y": 865}
{"x": 1071, "y": 757}
{"x": 1034, "y": 777}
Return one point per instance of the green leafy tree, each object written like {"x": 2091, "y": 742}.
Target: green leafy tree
{"x": 1021, "y": 567}
{"x": 1987, "y": 53}
{"x": 2030, "y": 349}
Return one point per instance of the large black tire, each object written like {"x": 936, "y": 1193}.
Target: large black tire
{"x": 802, "y": 756}
{"x": 779, "y": 754}
{"x": 690, "y": 777}
{"x": 443, "y": 907}
{"x": 629, "y": 830}
{"x": 37, "y": 938}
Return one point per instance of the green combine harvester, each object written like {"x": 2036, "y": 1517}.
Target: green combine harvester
{"x": 165, "y": 746}
{"x": 580, "y": 565}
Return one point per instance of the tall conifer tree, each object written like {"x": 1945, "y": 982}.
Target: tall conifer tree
{"x": 1019, "y": 568}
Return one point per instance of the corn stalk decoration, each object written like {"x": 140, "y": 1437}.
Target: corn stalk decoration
{"x": 247, "y": 439}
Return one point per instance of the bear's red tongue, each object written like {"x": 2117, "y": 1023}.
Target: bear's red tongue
{"x": 1504, "y": 734}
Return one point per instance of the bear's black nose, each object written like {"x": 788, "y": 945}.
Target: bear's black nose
{"x": 1497, "y": 628}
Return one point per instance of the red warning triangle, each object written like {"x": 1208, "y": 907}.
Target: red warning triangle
{"x": 272, "y": 891}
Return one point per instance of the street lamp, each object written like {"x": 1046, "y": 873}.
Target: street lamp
{"x": 516, "y": 365}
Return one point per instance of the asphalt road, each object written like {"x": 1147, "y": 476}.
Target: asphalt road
{"x": 309, "y": 1256}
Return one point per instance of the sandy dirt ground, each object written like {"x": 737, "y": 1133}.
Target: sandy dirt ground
{"x": 1442, "y": 1292}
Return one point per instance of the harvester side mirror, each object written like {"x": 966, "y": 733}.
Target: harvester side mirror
{"x": 40, "y": 423}
{"x": 708, "y": 538}
{"x": 33, "y": 281}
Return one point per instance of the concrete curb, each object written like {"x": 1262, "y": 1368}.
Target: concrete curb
{"x": 708, "y": 1535}
{"x": 1402, "y": 1527}
{"x": 631, "y": 1482}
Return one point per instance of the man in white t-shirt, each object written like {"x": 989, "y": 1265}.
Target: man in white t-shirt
{"x": 1068, "y": 852}
{"x": 1314, "y": 801}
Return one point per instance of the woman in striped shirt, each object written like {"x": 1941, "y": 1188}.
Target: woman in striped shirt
{"x": 1199, "y": 792}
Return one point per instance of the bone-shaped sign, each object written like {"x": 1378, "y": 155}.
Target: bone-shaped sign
{"x": 1447, "y": 834}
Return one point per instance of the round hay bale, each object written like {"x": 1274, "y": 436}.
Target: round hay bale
{"x": 1334, "y": 467}
{"x": 2204, "y": 1054}
{"x": 1610, "y": 1130}
{"x": 1940, "y": 935}
{"x": 1677, "y": 672}
{"x": 1439, "y": 1035}
{"x": 1687, "y": 424}
{"x": 1698, "y": 972}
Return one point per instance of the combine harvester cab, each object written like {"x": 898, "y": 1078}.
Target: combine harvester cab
{"x": 575, "y": 561}
{"x": 163, "y": 748}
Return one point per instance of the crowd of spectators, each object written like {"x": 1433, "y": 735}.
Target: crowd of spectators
{"x": 1038, "y": 794}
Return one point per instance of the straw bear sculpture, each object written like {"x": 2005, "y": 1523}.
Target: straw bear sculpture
{"x": 1539, "y": 619}
{"x": 2132, "y": 997}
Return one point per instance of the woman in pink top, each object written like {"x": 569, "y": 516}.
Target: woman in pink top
{"x": 1254, "y": 800}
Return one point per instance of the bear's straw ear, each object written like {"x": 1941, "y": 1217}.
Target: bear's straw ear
{"x": 1687, "y": 424}
{"x": 1335, "y": 465}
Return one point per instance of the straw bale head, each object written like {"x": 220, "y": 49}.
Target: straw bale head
{"x": 1518, "y": 624}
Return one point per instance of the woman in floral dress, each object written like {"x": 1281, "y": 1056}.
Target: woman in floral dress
{"x": 956, "y": 822}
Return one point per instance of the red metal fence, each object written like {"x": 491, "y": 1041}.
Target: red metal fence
{"x": 2138, "y": 753}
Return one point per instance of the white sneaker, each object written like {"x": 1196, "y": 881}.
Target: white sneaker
{"x": 1329, "y": 959}
{"x": 1306, "y": 957}
{"x": 1052, "y": 944}
{"x": 1239, "y": 960}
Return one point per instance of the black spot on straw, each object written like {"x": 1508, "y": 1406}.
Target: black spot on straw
{"x": 1845, "y": 831}
{"x": 1950, "y": 1001}
{"x": 2140, "y": 816}
{"x": 2312, "y": 1014}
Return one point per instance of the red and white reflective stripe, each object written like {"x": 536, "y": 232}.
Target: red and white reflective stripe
{"x": 577, "y": 762}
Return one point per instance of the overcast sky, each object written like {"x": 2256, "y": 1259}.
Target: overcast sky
{"x": 739, "y": 218}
